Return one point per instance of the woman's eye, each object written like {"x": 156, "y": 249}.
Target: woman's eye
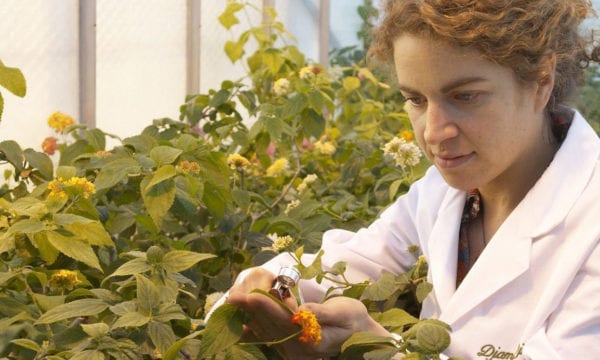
{"x": 415, "y": 100}
{"x": 466, "y": 97}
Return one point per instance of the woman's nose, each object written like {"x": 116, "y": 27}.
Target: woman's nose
{"x": 439, "y": 125}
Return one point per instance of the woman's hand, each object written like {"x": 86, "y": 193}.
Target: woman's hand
{"x": 339, "y": 317}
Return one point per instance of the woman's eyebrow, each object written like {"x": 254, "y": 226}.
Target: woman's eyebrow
{"x": 449, "y": 87}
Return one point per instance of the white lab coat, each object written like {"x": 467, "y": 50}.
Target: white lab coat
{"x": 534, "y": 291}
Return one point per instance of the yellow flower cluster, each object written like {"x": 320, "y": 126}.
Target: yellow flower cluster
{"x": 311, "y": 329}
{"x": 81, "y": 185}
{"x": 278, "y": 167}
{"x": 59, "y": 121}
{"x": 188, "y": 167}
{"x": 291, "y": 206}
{"x": 237, "y": 161}
{"x": 63, "y": 280}
{"x": 325, "y": 147}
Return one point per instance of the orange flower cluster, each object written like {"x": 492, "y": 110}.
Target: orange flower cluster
{"x": 311, "y": 330}
{"x": 49, "y": 145}
{"x": 187, "y": 167}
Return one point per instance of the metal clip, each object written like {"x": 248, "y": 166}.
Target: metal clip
{"x": 286, "y": 279}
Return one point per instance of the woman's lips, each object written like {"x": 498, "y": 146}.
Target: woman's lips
{"x": 451, "y": 161}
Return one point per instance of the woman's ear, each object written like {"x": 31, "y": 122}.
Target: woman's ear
{"x": 545, "y": 84}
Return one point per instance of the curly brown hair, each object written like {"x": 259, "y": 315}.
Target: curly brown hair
{"x": 513, "y": 33}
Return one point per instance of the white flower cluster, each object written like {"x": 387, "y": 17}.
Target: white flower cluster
{"x": 306, "y": 73}
{"x": 280, "y": 243}
{"x": 404, "y": 153}
{"x": 281, "y": 87}
{"x": 291, "y": 206}
{"x": 309, "y": 179}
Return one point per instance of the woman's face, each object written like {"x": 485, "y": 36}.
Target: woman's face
{"x": 473, "y": 119}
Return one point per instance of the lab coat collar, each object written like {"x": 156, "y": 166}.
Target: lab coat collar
{"x": 507, "y": 255}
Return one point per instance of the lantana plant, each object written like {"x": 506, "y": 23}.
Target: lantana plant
{"x": 119, "y": 253}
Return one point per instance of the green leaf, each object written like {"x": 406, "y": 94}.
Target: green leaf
{"x": 423, "y": 289}
{"x": 89, "y": 355}
{"x": 351, "y": 83}
{"x": 74, "y": 248}
{"x": 363, "y": 342}
{"x": 77, "y": 308}
{"x": 47, "y": 302}
{"x": 162, "y": 336}
{"x": 223, "y": 329}
{"x": 27, "y": 344}
{"x": 244, "y": 352}
{"x": 433, "y": 339}
{"x": 163, "y": 155}
{"x": 131, "y": 319}
{"x": 96, "y": 330}
{"x": 115, "y": 172}
{"x": 147, "y": 293}
{"x": 173, "y": 351}
{"x": 93, "y": 232}
{"x": 158, "y": 199}
{"x": 395, "y": 318}
{"x": 13, "y": 80}
{"x": 40, "y": 161}
{"x": 273, "y": 59}
{"x": 234, "y": 50}
{"x": 132, "y": 267}
{"x": 382, "y": 289}
{"x": 66, "y": 171}
{"x": 228, "y": 18}
{"x": 385, "y": 353}
{"x": 179, "y": 260}
{"x": 294, "y": 105}
{"x": 163, "y": 173}
{"x": 13, "y": 154}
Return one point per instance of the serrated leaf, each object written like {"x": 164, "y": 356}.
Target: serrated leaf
{"x": 47, "y": 302}
{"x": 74, "y": 248}
{"x": 163, "y": 155}
{"x": 162, "y": 335}
{"x": 223, "y": 329}
{"x": 179, "y": 260}
{"x": 77, "y": 308}
{"x": 432, "y": 339}
{"x": 131, "y": 319}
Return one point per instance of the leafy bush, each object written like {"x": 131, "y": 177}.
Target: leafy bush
{"x": 118, "y": 253}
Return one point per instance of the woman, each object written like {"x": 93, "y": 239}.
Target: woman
{"x": 508, "y": 216}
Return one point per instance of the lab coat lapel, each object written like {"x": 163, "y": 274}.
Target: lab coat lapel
{"x": 443, "y": 246}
